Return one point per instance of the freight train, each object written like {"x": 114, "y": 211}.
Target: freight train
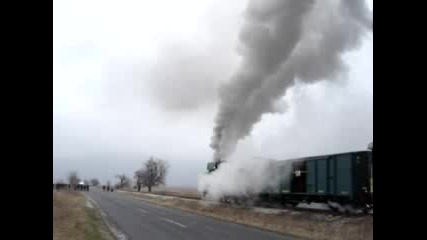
{"x": 343, "y": 181}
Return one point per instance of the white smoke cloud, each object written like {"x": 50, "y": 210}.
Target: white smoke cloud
{"x": 243, "y": 175}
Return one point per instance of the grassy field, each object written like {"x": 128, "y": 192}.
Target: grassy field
{"x": 304, "y": 225}
{"x": 73, "y": 219}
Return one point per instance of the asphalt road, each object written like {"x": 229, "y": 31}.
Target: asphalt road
{"x": 137, "y": 219}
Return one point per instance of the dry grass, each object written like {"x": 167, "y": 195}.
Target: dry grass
{"x": 306, "y": 225}
{"x": 73, "y": 220}
{"x": 181, "y": 194}
{"x": 175, "y": 192}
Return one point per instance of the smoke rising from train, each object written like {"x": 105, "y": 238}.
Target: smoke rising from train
{"x": 242, "y": 175}
{"x": 282, "y": 42}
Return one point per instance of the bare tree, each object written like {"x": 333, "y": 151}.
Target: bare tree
{"x": 94, "y": 181}
{"x": 73, "y": 178}
{"x": 124, "y": 181}
{"x": 139, "y": 176}
{"x": 151, "y": 174}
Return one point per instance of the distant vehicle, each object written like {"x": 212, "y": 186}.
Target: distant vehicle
{"x": 343, "y": 181}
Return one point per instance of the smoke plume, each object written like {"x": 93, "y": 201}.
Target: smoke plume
{"x": 237, "y": 176}
{"x": 284, "y": 41}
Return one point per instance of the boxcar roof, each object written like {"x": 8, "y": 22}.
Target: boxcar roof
{"x": 319, "y": 156}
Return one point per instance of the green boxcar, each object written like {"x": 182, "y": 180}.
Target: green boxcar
{"x": 332, "y": 169}
{"x": 311, "y": 176}
{"x": 317, "y": 176}
{"x": 322, "y": 176}
{"x": 344, "y": 176}
{"x": 332, "y": 175}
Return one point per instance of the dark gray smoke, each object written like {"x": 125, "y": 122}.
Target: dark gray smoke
{"x": 284, "y": 41}
{"x": 358, "y": 10}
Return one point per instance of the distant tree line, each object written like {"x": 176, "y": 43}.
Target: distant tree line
{"x": 74, "y": 183}
{"x": 152, "y": 173}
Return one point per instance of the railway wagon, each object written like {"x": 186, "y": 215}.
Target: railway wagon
{"x": 340, "y": 180}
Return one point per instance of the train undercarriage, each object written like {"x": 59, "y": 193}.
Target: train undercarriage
{"x": 333, "y": 203}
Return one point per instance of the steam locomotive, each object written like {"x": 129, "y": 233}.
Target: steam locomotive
{"x": 343, "y": 181}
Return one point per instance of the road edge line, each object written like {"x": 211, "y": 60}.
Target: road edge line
{"x": 119, "y": 235}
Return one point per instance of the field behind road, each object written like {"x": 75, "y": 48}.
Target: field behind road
{"x": 74, "y": 219}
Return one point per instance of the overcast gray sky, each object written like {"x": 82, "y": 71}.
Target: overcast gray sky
{"x": 138, "y": 78}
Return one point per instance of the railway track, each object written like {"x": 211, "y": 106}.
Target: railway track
{"x": 299, "y": 208}
{"x": 314, "y": 207}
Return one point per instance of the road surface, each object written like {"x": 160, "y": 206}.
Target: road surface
{"x": 137, "y": 219}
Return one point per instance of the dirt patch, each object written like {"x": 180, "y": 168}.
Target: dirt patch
{"x": 305, "y": 225}
{"x": 73, "y": 219}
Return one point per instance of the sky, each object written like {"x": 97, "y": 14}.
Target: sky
{"x": 134, "y": 79}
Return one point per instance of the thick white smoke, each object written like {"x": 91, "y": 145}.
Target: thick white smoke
{"x": 282, "y": 41}
{"x": 243, "y": 175}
